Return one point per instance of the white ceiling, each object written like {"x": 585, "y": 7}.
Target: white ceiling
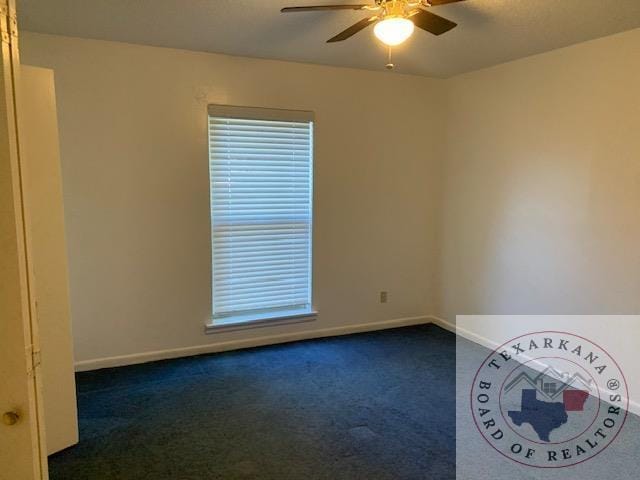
{"x": 489, "y": 31}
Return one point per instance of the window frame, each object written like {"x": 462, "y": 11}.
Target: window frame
{"x": 280, "y": 316}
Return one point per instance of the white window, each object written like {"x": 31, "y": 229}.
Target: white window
{"x": 261, "y": 179}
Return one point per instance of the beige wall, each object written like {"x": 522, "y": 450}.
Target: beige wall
{"x": 524, "y": 201}
{"x": 134, "y": 159}
{"x": 541, "y": 185}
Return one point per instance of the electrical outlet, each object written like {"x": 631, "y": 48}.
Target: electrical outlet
{"x": 383, "y": 297}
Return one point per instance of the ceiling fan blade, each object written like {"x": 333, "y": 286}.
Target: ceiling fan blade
{"x": 324, "y": 7}
{"x": 353, "y": 29}
{"x": 435, "y": 3}
{"x": 431, "y": 22}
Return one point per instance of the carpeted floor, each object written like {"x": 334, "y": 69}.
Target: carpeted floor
{"x": 373, "y": 406}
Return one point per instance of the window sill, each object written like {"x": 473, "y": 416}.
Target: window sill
{"x": 243, "y": 322}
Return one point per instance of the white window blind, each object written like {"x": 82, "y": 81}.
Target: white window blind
{"x": 260, "y": 163}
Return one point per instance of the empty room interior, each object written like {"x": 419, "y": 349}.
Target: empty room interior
{"x": 291, "y": 239}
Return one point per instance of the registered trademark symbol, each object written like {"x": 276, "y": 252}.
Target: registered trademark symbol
{"x": 613, "y": 384}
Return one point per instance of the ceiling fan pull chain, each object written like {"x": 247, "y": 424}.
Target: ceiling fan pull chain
{"x": 389, "y": 65}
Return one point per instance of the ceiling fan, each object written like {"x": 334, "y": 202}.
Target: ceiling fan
{"x": 394, "y": 19}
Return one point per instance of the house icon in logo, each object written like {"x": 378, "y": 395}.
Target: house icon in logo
{"x": 550, "y": 383}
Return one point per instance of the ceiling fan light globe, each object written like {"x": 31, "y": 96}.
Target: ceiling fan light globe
{"x": 394, "y": 30}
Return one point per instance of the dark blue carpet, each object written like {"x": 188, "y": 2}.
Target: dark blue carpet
{"x": 378, "y": 405}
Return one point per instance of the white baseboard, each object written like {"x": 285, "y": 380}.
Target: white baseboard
{"x": 132, "y": 359}
{"x": 634, "y": 407}
{"x": 468, "y": 334}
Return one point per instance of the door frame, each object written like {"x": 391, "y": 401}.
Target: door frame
{"x": 16, "y": 268}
